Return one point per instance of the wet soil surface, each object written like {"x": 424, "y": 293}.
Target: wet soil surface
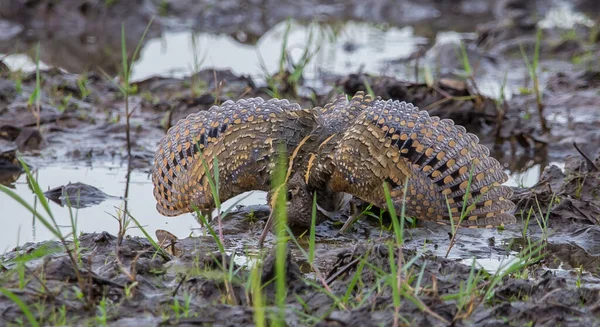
{"x": 80, "y": 118}
{"x": 140, "y": 287}
{"x": 128, "y": 283}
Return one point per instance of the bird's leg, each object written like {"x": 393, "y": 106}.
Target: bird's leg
{"x": 266, "y": 230}
{"x": 272, "y": 200}
{"x": 352, "y": 218}
{"x": 328, "y": 214}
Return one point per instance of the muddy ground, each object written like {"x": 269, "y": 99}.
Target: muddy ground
{"x": 123, "y": 282}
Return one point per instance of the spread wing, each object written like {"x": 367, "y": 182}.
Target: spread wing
{"x": 395, "y": 142}
{"x": 243, "y": 136}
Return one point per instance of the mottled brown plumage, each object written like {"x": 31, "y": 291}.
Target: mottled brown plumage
{"x": 348, "y": 146}
{"x": 242, "y": 136}
{"x": 378, "y": 141}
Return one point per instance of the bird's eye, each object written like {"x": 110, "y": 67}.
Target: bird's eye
{"x": 289, "y": 195}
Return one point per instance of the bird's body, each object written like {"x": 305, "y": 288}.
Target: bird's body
{"x": 346, "y": 147}
{"x": 241, "y": 136}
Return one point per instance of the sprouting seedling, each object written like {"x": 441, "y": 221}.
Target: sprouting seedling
{"x": 533, "y": 67}
{"x": 82, "y": 84}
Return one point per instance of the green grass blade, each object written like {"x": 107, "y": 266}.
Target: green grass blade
{"x": 354, "y": 280}
{"x": 428, "y": 75}
{"x": 148, "y": 237}
{"x": 398, "y": 225}
{"x": 464, "y": 210}
{"x": 37, "y": 190}
{"x": 536, "y": 51}
{"x": 226, "y": 212}
{"x": 216, "y": 179}
{"x": 211, "y": 181}
{"x": 22, "y": 305}
{"x": 280, "y": 228}
{"x": 393, "y": 276}
{"x": 410, "y": 262}
{"x": 139, "y": 45}
{"x": 73, "y": 222}
{"x": 465, "y": 59}
{"x": 124, "y": 65}
{"x": 420, "y": 279}
{"x": 257, "y": 297}
{"x": 38, "y": 84}
{"x": 368, "y": 87}
{"x": 211, "y": 230}
{"x": 283, "y": 54}
{"x": 26, "y": 205}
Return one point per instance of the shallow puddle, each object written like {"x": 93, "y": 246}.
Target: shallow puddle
{"x": 354, "y": 46}
{"x": 110, "y": 178}
{"x": 19, "y": 226}
{"x": 350, "y": 47}
{"x": 491, "y": 265}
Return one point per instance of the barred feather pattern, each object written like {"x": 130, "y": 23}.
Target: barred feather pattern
{"x": 347, "y": 146}
{"x": 242, "y": 136}
{"x": 443, "y": 165}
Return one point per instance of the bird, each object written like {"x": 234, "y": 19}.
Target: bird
{"x": 351, "y": 147}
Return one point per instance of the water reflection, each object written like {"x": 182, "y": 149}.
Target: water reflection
{"x": 174, "y": 53}
{"x": 350, "y": 47}
{"x": 497, "y": 264}
{"x": 100, "y": 52}
{"x": 79, "y": 36}
{"x": 110, "y": 179}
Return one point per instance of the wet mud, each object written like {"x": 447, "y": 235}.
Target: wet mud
{"x": 120, "y": 280}
{"x": 191, "y": 274}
